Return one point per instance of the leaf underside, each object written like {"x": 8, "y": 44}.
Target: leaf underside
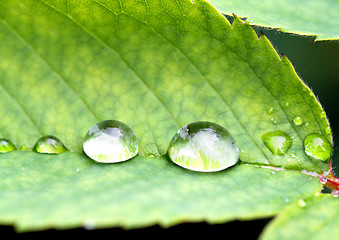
{"x": 305, "y": 17}
{"x": 156, "y": 66}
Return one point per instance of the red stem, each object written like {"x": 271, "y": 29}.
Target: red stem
{"x": 332, "y": 181}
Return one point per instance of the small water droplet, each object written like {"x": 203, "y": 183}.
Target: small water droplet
{"x": 273, "y": 172}
{"x": 151, "y": 155}
{"x": 270, "y": 110}
{"x": 198, "y": 150}
{"x": 89, "y": 224}
{"x": 78, "y": 169}
{"x": 274, "y": 121}
{"x": 301, "y": 202}
{"x": 328, "y": 130}
{"x": 323, "y": 180}
{"x": 297, "y": 120}
{"x": 323, "y": 114}
{"x": 287, "y": 200}
{"x": 306, "y": 123}
{"x": 110, "y": 141}
{"x": 49, "y": 144}
{"x": 335, "y": 193}
{"x": 23, "y": 147}
{"x": 287, "y": 104}
{"x": 318, "y": 147}
{"x": 277, "y": 142}
{"x": 6, "y": 146}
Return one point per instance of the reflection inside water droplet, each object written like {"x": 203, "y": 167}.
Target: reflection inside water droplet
{"x": 318, "y": 147}
{"x": 270, "y": 110}
{"x": 49, "y": 144}
{"x": 6, "y": 146}
{"x": 110, "y": 141}
{"x": 328, "y": 130}
{"x": 277, "y": 142}
{"x": 297, "y": 120}
{"x": 323, "y": 180}
{"x": 203, "y": 146}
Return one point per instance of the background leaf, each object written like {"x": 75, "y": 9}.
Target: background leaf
{"x": 306, "y": 17}
{"x": 315, "y": 218}
{"x": 155, "y": 66}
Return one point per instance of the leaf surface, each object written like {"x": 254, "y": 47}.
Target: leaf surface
{"x": 143, "y": 191}
{"x": 313, "y": 218}
{"x": 156, "y": 66}
{"x": 306, "y": 17}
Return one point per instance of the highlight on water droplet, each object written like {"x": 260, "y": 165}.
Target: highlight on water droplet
{"x": 110, "y": 141}
{"x": 49, "y": 144}
{"x": 270, "y": 110}
{"x": 278, "y": 142}
{"x": 318, "y": 147}
{"x": 297, "y": 120}
{"x": 323, "y": 114}
{"x": 328, "y": 130}
{"x": 6, "y": 146}
{"x": 323, "y": 180}
{"x": 335, "y": 193}
{"x": 204, "y": 147}
{"x": 274, "y": 121}
{"x": 301, "y": 202}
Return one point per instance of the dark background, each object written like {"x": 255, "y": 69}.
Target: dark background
{"x": 317, "y": 63}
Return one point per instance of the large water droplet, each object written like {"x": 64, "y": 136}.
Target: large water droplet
{"x": 297, "y": 120}
{"x": 277, "y": 142}
{"x": 49, "y": 144}
{"x": 203, "y": 146}
{"x": 318, "y": 147}
{"x": 6, "y": 146}
{"x": 110, "y": 141}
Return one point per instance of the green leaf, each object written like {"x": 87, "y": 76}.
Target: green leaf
{"x": 156, "y": 66}
{"x": 316, "y": 218}
{"x": 68, "y": 190}
{"x": 307, "y": 17}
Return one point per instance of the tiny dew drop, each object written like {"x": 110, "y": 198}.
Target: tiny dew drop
{"x": 270, "y": 110}
{"x": 22, "y": 147}
{"x": 49, "y": 144}
{"x": 297, "y": 120}
{"x": 318, "y": 147}
{"x": 274, "y": 121}
{"x": 204, "y": 147}
{"x": 323, "y": 114}
{"x": 301, "y": 202}
{"x": 335, "y": 193}
{"x": 277, "y": 142}
{"x": 110, "y": 141}
{"x": 323, "y": 180}
{"x": 6, "y": 146}
{"x": 328, "y": 130}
